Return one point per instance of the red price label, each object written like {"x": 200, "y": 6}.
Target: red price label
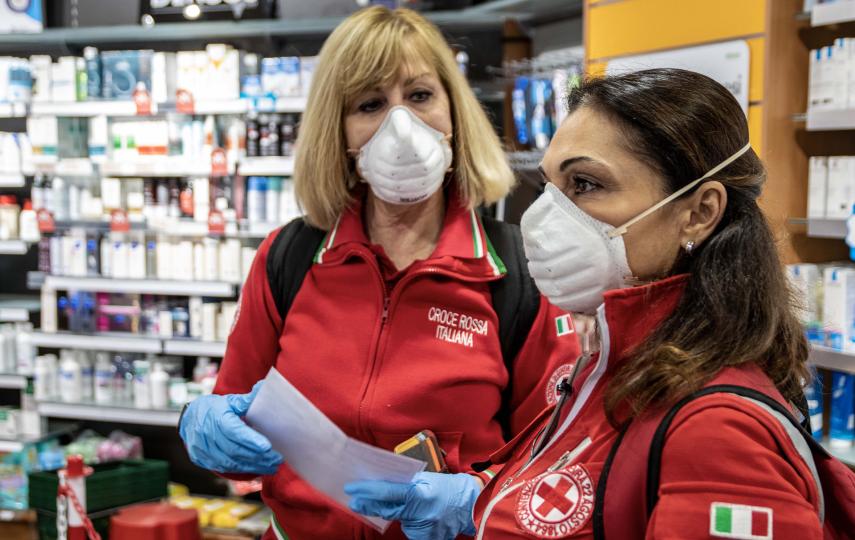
{"x": 184, "y": 102}
{"x": 142, "y": 99}
{"x": 119, "y": 221}
{"x": 216, "y": 222}
{"x": 219, "y": 163}
{"x": 46, "y": 222}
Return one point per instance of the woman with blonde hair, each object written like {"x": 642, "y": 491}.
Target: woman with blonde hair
{"x": 412, "y": 312}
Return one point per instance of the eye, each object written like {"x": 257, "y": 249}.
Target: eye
{"x": 420, "y": 96}
{"x": 371, "y": 105}
{"x": 583, "y": 185}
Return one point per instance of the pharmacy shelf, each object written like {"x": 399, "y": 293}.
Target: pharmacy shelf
{"x": 219, "y": 289}
{"x": 826, "y": 228}
{"x": 267, "y": 166}
{"x": 127, "y": 108}
{"x": 846, "y": 455}
{"x": 832, "y": 13}
{"x": 13, "y": 247}
{"x": 12, "y": 381}
{"x": 85, "y": 108}
{"x": 834, "y": 120}
{"x": 827, "y": 358}
{"x": 66, "y": 167}
{"x": 189, "y": 347}
{"x": 168, "y": 167}
{"x": 18, "y": 444}
{"x": 97, "y": 342}
{"x": 12, "y": 180}
{"x": 103, "y": 413}
{"x": 15, "y": 308}
{"x": 13, "y": 110}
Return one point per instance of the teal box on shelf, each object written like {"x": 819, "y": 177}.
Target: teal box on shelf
{"x": 122, "y": 70}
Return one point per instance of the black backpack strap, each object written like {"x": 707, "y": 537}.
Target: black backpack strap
{"x": 289, "y": 259}
{"x": 515, "y": 296}
{"x": 600, "y": 496}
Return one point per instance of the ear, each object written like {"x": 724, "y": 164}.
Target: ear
{"x": 705, "y": 210}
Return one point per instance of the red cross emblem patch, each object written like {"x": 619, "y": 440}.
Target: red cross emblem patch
{"x": 561, "y": 372}
{"x": 556, "y": 504}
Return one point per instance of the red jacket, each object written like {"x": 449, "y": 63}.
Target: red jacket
{"x": 386, "y": 354}
{"x": 722, "y": 454}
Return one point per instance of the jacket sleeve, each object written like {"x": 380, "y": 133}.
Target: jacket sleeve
{"x": 729, "y": 470}
{"x": 253, "y": 343}
{"x": 548, "y": 354}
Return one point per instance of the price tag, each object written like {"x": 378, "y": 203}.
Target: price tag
{"x": 142, "y": 100}
{"x": 46, "y": 222}
{"x": 219, "y": 163}
{"x": 119, "y": 221}
{"x": 184, "y": 102}
{"x": 216, "y": 223}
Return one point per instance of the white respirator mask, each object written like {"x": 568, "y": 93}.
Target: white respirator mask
{"x": 406, "y": 160}
{"x": 572, "y": 257}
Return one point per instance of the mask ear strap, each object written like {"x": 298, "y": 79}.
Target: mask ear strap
{"x": 620, "y": 231}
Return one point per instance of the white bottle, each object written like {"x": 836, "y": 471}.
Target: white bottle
{"x": 25, "y": 351}
{"x": 201, "y": 369}
{"x": 104, "y": 373}
{"x": 159, "y": 381}
{"x": 6, "y": 361}
{"x": 211, "y": 270}
{"x": 70, "y": 378}
{"x": 142, "y": 388}
{"x": 198, "y": 261}
{"x": 28, "y": 227}
{"x": 136, "y": 257}
{"x": 42, "y": 379}
{"x": 106, "y": 257}
{"x": 195, "y": 308}
{"x": 87, "y": 375}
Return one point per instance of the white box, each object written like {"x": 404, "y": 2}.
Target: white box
{"x": 817, "y": 187}
{"x": 838, "y": 203}
{"x": 186, "y": 76}
{"x": 164, "y": 73}
{"x": 64, "y": 80}
{"x": 41, "y": 68}
{"x": 14, "y": 19}
{"x": 222, "y": 72}
{"x": 838, "y": 307}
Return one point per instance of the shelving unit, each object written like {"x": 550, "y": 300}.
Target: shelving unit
{"x": 105, "y": 413}
{"x": 846, "y": 455}
{"x": 217, "y": 289}
{"x": 117, "y": 343}
{"x": 832, "y": 359}
{"x": 13, "y": 381}
{"x": 127, "y": 108}
{"x": 13, "y": 110}
{"x": 65, "y": 167}
{"x": 267, "y": 166}
{"x": 13, "y": 247}
{"x": 826, "y": 228}
{"x": 12, "y": 180}
{"x": 835, "y": 120}
{"x": 14, "y": 308}
{"x": 189, "y": 347}
{"x": 16, "y": 445}
{"x": 164, "y": 167}
{"x": 833, "y": 13}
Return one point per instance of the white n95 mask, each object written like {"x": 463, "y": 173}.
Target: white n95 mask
{"x": 406, "y": 160}
{"x": 572, "y": 257}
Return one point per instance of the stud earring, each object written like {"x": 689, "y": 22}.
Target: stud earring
{"x": 690, "y": 247}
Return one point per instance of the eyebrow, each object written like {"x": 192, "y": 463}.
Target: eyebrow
{"x": 411, "y": 80}
{"x": 567, "y": 162}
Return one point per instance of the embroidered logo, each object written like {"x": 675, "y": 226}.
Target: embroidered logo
{"x": 740, "y": 521}
{"x": 556, "y": 504}
{"x": 564, "y": 326}
{"x": 453, "y": 327}
{"x": 552, "y": 386}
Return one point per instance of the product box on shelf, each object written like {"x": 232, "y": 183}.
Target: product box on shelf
{"x": 817, "y": 187}
{"x": 122, "y": 70}
{"x": 840, "y": 191}
{"x": 839, "y": 307}
{"x": 21, "y": 16}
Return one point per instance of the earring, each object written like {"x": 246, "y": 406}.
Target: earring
{"x": 690, "y": 246}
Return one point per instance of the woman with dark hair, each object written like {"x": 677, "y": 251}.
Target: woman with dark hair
{"x": 649, "y": 219}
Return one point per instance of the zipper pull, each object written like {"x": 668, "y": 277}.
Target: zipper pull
{"x": 385, "y": 310}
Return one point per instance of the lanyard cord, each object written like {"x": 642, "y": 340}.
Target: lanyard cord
{"x": 565, "y": 388}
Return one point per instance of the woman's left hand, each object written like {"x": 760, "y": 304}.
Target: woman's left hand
{"x": 433, "y": 506}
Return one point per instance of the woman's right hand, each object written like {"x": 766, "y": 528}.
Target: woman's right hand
{"x": 217, "y": 438}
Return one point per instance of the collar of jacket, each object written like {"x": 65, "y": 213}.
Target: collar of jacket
{"x": 462, "y": 249}
{"x": 629, "y": 316}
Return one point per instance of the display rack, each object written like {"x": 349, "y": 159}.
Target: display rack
{"x": 834, "y": 120}
{"x": 267, "y": 166}
{"x": 105, "y": 413}
{"x": 189, "y": 347}
{"x": 827, "y": 358}
{"x": 846, "y": 455}
{"x": 219, "y": 289}
{"x": 126, "y": 108}
{"x": 18, "y": 444}
{"x": 15, "y": 308}
{"x": 13, "y": 247}
{"x": 118, "y": 343}
{"x": 826, "y": 228}
{"x": 832, "y": 13}
{"x": 13, "y": 381}
{"x": 12, "y": 180}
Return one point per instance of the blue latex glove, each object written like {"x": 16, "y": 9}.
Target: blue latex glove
{"x": 433, "y": 506}
{"x": 218, "y": 439}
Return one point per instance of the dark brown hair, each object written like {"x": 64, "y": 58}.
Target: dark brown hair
{"x": 737, "y": 306}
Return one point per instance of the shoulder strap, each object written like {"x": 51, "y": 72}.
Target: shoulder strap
{"x": 289, "y": 260}
{"x": 804, "y": 443}
{"x": 515, "y": 296}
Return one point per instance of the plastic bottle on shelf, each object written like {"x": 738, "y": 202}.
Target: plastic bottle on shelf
{"x": 43, "y": 378}
{"x": 70, "y": 378}
{"x": 28, "y": 227}
{"x": 209, "y": 381}
{"x": 59, "y": 197}
{"x": 201, "y": 368}
{"x": 24, "y": 349}
{"x": 104, "y": 373}
{"x": 87, "y": 375}
{"x": 159, "y": 381}
{"x": 142, "y": 386}
{"x": 6, "y": 361}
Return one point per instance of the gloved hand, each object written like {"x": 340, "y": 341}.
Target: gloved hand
{"x": 218, "y": 439}
{"x": 433, "y": 506}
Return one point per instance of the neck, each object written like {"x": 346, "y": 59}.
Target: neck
{"x": 406, "y": 232}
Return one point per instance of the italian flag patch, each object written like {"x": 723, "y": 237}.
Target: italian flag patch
{"x": 740, "y": 521}
{"x": 563, "y": 325}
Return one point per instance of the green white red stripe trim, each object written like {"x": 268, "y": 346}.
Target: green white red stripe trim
{"x": 328, "y": 242}
{"x": 479, "y": 241}
{"x": 277, "y": 529}
{"x": 740, "y": 521}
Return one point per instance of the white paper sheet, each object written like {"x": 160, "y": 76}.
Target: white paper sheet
{"x": 317, "y": 450}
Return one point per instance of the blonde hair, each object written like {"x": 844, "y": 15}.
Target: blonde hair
{"x": 366, "y": 51}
